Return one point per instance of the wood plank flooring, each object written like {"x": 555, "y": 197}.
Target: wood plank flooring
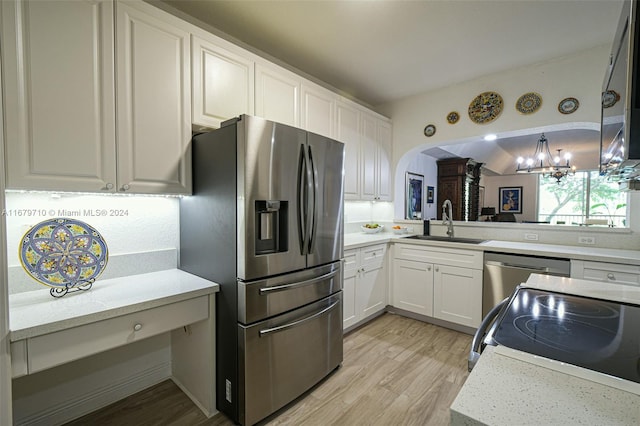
{"x": 396, "y": 371}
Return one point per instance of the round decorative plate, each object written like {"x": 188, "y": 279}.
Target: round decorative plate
{"x": 430, "y": 130}
{"x": 63, "y": 252}
{"x": 453, "y": 117}
{"x": 609, "y": 98}
{"x": 485, "y": 108}
{"x": 568, "y": 105}
{"x": 528, "y": 103}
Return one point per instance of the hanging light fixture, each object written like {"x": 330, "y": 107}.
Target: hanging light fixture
{"x": 542, "y": 162}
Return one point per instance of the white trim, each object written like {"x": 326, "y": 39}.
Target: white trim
{"x": 5, "y": 357}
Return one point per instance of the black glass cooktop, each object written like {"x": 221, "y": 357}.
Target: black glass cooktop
{"x": 596, "y": 334}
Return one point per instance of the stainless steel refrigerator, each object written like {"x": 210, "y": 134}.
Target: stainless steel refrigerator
{"x": 265, "y": 221}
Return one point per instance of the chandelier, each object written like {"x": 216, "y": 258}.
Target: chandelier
{"x": 542, "y": 162}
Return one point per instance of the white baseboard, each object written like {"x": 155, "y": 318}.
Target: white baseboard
{"x": 98, "y": 398}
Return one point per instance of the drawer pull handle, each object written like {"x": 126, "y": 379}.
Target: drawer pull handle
{"x": 137, "y": 327}
{"x": 611, "y": 276}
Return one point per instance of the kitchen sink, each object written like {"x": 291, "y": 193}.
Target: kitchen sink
{"x": 447, "y": 239}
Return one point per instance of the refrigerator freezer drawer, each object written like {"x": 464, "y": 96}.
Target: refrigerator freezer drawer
{"x": 263, "y": 299}
{"x": 283, "y": 357}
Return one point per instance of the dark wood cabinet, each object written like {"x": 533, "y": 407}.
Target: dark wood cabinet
{"x": 459, "y": 181}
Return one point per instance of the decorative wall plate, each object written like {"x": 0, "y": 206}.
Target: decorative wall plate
{"x": 430, "y": 130}
{"x": 568, "y": 105}
{"x": 63, "y": 253}
{"x": 453, "y": 117}
{"x": 609, "y": 98}
{"x": 485, "y": 108}
{"x": 528, "y": 103}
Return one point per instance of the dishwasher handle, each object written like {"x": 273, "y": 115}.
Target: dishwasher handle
{"x": 481, "y": 332}
{"x": 538, "y": 269}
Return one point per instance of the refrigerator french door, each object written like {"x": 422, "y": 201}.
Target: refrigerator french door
{"x": 265, "y": 222}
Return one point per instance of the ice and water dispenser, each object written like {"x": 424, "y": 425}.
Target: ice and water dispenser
{"x": 271, "y": 226}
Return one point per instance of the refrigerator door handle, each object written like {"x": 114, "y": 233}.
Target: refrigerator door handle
{"x": 314, "y": 202}
{"x": 283, "y": 287}
{"x": 298, "y": 322}
{"x": 302, "y": 201}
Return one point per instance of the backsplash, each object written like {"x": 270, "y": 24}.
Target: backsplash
{"x": 141, "y": 232}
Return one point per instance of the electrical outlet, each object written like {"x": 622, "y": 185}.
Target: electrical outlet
{"x": 531, "y": 237}
{"x": 587, "y": 240}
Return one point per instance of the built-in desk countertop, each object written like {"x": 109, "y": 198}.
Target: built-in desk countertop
{"x": 35, "y": 313}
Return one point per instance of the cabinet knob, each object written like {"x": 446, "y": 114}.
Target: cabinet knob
{"x": 428, "y": 268}
{"x": 611, "y": 276}
{"x": 374, "y": 253}
{"x": 108, "y": 186}
{"x": 437, "y": 269}
{"x": 125, "y": 187}
{"x": 137, "y": 327}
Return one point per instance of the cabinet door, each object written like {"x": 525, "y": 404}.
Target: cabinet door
{"x": 369, "y": 148}
{"x": 384, "y": 161}
{"x": 277, "y": 95}
{"x": 318, "y": 110}
{"x": 372, "y": 289}
{"x": 413, "y": 286}
{"x": 347, "y": 131}
{"x": 457, "y": 295}
{"x": 154, "y": 101}
{"x": 59, "y": 94}
{"x": 349, "y": 310}
{"x": 222, "y": 84}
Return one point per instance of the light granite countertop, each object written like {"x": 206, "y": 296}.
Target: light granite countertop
{"x": 505, "y": 391}
{"x": 36, "y": 312}
{"x": 508, "y": 387}
{"x": 596, "y": 254}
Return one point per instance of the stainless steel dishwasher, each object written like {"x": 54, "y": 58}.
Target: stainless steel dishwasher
{"x": 504, "y": 272}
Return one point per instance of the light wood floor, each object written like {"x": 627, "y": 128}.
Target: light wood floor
{"x": 396, "y": 371}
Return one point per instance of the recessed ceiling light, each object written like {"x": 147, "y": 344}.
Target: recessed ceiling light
{"x": 491, "y": 137}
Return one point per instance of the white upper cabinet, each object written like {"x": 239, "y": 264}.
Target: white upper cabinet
{"x": 277, "y": 94}
{"x": 154, "y": 100}
{"x": 348, "y": 132}
{"x": 60, "y": 100}
{"x": 383, "y": 161}
{"x": 367, "y": 166}
{"x": 59, "y": 95}
{"x": 223, "y": 83}
{"x": 318, "y": 108}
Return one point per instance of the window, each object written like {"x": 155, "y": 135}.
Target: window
{"x": 585, "y": 196}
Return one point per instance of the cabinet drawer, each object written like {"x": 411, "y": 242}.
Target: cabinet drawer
{"x": 18, "y": 358}
{"x": 440, "y": 255}
{"x": 606, "y": 272}
{"x": 350, "y": 261}
{"x": 57, "y": 348}
{"x": 373, "y": 256}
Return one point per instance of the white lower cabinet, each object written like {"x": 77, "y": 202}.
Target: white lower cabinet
{"x": 365, "y": 285}
{"x": 413, "y": 286}
{"x": 442, "y": 283}
{"x": 615, "y": 273}
{"x": 457, "y": 295}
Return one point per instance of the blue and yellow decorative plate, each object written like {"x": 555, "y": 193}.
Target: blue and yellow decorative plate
{"x": 63, "y": 253}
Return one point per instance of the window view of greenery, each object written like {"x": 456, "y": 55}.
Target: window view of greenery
{"x": 579, "y": 199}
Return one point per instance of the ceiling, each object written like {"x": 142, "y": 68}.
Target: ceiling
{"x": 380, "y": 51}
{"x": 499, "y": 156}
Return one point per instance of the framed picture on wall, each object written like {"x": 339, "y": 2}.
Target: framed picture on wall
{"x": 510, "y": 199}
{"x": 430, "y": 194}
{"x": 413, "y": 196}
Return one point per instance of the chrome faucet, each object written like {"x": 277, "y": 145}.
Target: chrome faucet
{"x": 447, "y": 217}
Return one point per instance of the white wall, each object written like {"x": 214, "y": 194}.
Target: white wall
{"x": 423, "y": 165}
{"x": 579, "y": 75}
{"x": 144, "y": 228}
